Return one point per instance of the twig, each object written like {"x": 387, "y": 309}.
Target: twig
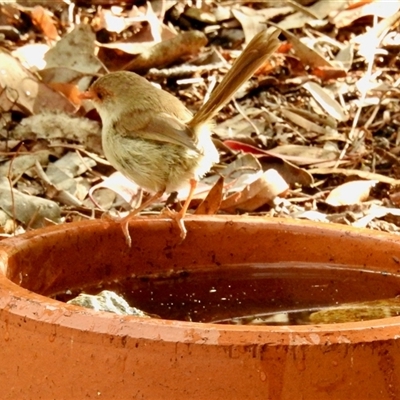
{"x": 243, "y": 114}
{"x": 183, "y": 70}
{"x": 10, "y": 182}
{"x": 364, "y": 91}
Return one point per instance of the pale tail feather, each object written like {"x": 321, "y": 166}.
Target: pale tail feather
{"x": 253, "y": 56}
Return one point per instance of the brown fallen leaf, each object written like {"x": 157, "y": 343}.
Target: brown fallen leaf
{"x": 167, "y": 52}
{"x": 243, "y": 164}
{"x": 211, "y": 204}
{"x": 65, "y": 53}
{"x": 315, "y": 115}
{"x": 304, "y": 123}
{"x": 395, "y": 198}
{"x": 320, "y": 9}
{"x": 65, "y": 81}
{"x": 261, "y": 191}
{"x": 355, "y": 172}
{"x": 307, "y": 55}
{"x": 69, "y": 90}
{"x": 328, "y": 73}
{"x": 303, "y": 155}
{"x": 61, "y": 75}
{"x": 291, "y": 173}
{"x": 149, "y": 30}
{"x": 20, "y": 89}
{"x": 42, "y": 19}
{"x": 358, "y": 3}
{"x": 293, "y": 153}
{"x": 200, "y": 14}
{"x": 244, "y": 147}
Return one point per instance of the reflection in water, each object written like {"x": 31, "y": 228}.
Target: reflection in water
{"x": 258, "y": 294}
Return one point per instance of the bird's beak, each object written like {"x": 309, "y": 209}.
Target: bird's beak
{"x": 88, "y": 95}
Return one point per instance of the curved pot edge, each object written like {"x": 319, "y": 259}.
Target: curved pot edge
{"x": 50, "y": 311}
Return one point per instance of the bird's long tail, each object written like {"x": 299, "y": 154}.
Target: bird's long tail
{"x": 253, "y": 56}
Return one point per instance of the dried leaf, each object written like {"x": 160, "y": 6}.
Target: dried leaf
{"x": 211, "y": 204}
{"x": 329, "y": 73}
{"x": 121, "y": 185}
{"x": 302, "y": 122}
{"x": 64, "y": 197}
{"x": 321, "y": 9}
{"x": 42, "y": 19}
{"x": 326, "y": 101}
{"x": 104, "y": 199}
{"x": 20, "y": 90}
{"x": 252, "y": 22}
{"x": 395, "y": 198}
{"x": 244, "y": 147}
{"x": 302, "y": 155}
{"x": 51, "y": 126}
{"x": 370, "y": 41}
{"x": 200, "y": 15}
{"x": 122, "y": 49}
{"x": 70, "y": 91}
{"x": 373, "y": 213}
{"x": 112, "y": 22}
{"x": 291, "y": 173}
{"x": 70, "y": 165}
{"x": 116, "y": 55}
{"x": 307, "y": 55}
{"x": 60, "y": 75}
{"x": 262, "y": 190}
{"x": 165, "y": 53}
{"x": 349, "y": 193}
{"x": 65, "y": 54}
{"x": 31, "y": 55}
{"x": 355, "y": 172}
{"x": 23, "y": 163}
{"x": 312, "y": 216}
{"x": 30, "y": 210}
{"x": 379, "y": 8}
{"x": 345, "y": 57}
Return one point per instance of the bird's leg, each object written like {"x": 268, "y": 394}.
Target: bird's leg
{"x": 193, "y": 185}
{"x": 178, "y": 216}
{"x": 125, "y": 221}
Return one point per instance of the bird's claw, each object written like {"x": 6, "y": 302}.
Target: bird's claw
{"x": 123, "y": 221}
{"x": 177, "y": 217}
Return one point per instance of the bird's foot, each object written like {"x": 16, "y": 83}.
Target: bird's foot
{"x": 124, "y": 222}
{"x": 177, "y": 217}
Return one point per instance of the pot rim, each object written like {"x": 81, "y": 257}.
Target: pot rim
{"x": 47, "y": 310}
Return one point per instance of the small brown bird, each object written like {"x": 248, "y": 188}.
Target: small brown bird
{"x": 154, "y": 140}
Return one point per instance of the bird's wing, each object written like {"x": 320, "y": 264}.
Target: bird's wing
{"x": 161, "y": 127}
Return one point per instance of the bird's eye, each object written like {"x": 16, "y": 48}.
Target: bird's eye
{"x": 100, "y": 95}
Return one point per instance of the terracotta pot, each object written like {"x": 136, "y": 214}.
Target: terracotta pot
{"x": 53, "y": 350}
